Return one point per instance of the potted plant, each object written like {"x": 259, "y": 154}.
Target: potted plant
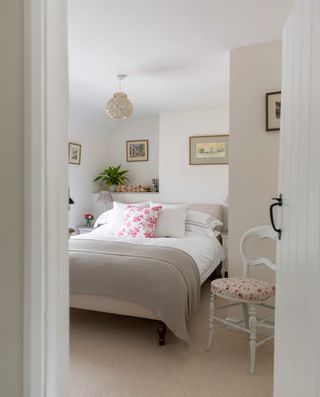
{"x": 89, "y": 218}
{"x": 113, "y": 176}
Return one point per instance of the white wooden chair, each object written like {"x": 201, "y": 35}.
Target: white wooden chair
{"x": 247, "y": 292}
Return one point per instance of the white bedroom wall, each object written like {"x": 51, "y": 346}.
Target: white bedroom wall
{"x": 254, "y": 71}
{"x": 94, "y": 158}
{"x": 11, "y": 175}
{"x": 143, "y": 172}
{"x": 169, "y": 157}
{"x": 180, "y": 181}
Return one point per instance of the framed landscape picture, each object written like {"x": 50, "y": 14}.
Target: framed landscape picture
{"x": 273, "y": 111}
{"x": 137, "y": 150}
{"x": 209, "y": 149}
{"x": 74, "y": 153}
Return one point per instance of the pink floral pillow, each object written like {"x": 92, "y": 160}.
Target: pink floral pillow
{"x": 139, "y": 222}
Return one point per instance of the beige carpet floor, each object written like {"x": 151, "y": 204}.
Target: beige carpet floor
{"x": 117, "y": 356}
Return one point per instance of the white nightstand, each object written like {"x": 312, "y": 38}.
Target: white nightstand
{"x": 82, "y": 229}
{"x": 224, "y": 270}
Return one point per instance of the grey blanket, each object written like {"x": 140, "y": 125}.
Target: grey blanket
{"x": 164, "y": 279}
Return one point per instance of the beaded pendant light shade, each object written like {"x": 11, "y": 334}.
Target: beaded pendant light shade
{"x": 119, "y": 107}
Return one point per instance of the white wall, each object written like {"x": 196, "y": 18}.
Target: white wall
{"x": 254, "y": 71}
{"x": 180, "y": 181}
{"x": 139, "y": 172}
{"x": 94, "y": 158}
{"x": 97, "y": 154}
{"x": 11, "y": 176}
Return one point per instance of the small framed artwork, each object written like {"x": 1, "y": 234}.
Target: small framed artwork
{"x": 74, "y": 153}
{"x": 273, "y": 111}
{"x": 209, "y": 149}
{"x": 137, "y": 150}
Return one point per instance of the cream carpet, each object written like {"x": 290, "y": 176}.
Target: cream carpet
{"x": 117, "y": 356}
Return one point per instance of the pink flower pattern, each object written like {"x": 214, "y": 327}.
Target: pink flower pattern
{"x": 244, "y": 289}
{"x": 139, "y": 222}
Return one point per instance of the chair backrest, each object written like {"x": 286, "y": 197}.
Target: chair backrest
{"x": 259, "y": 232}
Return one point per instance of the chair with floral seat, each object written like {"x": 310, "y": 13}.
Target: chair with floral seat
{"x": 247, "y": 292}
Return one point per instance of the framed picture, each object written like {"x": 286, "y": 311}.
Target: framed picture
{"x": 273, "y": 111}
{"x": 137, "y": 150}
{"x": 74, "y": 153}
{"x": 209, "y": 149}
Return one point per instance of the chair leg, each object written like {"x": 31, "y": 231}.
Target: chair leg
{"x": 211, "y": 315}
{"x": 252, "y": 337}
{"x": 245, "y": 314}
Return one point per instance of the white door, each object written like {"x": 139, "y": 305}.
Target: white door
{"x": 297, "y": 344}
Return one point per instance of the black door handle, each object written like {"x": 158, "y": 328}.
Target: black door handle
{"x": 278, "y": 203}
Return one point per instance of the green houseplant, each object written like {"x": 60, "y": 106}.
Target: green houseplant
{"x": 113, "y": 176}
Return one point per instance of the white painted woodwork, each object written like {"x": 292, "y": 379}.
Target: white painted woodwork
{"x": 297, "y": 347}
{"x": 251, "y": 321}
{"x": 46, "y": 296}
{"x": 11, "y": 197}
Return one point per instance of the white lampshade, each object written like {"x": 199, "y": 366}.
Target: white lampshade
{"x": 105, "y": 197}
{"x": 119, "y": 107}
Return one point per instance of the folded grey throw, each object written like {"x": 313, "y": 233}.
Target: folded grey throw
{"x": 164, "y": 279}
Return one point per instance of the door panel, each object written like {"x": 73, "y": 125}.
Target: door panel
{"x": 297, "y": 345}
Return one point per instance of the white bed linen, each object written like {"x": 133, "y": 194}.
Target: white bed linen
{"x": 206, "y": 251}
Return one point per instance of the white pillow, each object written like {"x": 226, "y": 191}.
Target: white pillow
{"x": 117, "y": 215}
{"x": 201, "y": 222}
{"x": 172, "y": 220}
{"x": 103, "y": 218}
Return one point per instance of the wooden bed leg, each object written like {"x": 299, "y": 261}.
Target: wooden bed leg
{"x": 217, "y": 273}
{"x": 162, "y": 329}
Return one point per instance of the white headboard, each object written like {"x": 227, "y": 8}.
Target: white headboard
{"x": 219, "y": 211}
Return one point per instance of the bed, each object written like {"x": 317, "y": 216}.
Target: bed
{"x": 154, "y": 278}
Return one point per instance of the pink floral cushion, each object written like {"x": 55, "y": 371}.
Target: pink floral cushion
{"x": 243, "y": 289}
{"x": 139, "y": 222}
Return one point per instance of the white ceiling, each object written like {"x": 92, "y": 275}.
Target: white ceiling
{"x": 175, "y": 52}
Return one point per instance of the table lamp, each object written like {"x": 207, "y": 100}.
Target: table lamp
{"x": 105, "y": 198}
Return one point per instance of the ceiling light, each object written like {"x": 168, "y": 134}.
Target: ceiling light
{"x": 119, "y": 107}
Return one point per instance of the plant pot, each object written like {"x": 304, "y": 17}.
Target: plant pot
{"x": 113, "y": 188}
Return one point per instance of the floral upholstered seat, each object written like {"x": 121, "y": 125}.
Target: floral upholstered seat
{"x": 244, "y": 289}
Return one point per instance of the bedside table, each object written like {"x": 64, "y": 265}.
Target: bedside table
{"x": 82, "y": 229}
{"x": 224, "y": 270}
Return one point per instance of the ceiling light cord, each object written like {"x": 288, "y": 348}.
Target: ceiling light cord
{"x": 120, "y": 78}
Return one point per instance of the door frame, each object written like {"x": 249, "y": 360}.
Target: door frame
{"x": 46, "y": 290}
{"x": 46, "y": 278}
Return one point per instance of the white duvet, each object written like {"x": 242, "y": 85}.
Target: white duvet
{"x": 206, "y": 251}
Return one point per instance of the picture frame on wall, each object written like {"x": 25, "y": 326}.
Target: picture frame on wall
{"x": 74, "y": 153}
{"x": 273, "y": 111}
{"x": 209, "y": 149}
{"x": 137, "y": 150}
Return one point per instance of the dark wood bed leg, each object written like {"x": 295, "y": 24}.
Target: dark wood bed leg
{"x": 217, "y": 273}
{"x": 162, "y": 329}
